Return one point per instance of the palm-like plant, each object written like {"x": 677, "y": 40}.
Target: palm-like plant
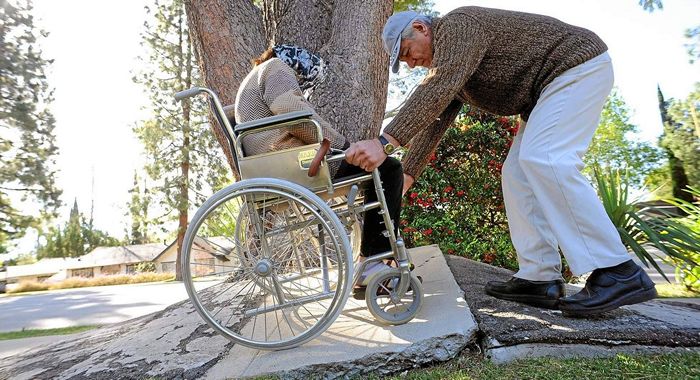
{"x": 689, "y": 273}
{"x": 637, "y": 230}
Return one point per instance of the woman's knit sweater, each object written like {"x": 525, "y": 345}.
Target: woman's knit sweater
{"x": 270, "y": 89}
{"x": 496, "y": 60}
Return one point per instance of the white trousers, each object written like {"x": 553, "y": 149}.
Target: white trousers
{"x": 549, "y": 203}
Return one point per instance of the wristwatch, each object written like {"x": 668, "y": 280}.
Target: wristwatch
{"x": 389, "y": 148}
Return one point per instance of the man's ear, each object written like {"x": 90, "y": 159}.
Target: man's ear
{"x": 420, "y": 27}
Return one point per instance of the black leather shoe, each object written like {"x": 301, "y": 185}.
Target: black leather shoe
{"x": 607, "y": 289}
{"x": 544, "y": 294}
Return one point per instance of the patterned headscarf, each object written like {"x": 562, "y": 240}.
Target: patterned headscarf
{"x": 309, "y": 67}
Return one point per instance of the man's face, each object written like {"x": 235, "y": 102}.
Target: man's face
{"x": 417, "y": 51}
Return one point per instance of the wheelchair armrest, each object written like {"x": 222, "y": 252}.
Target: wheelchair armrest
{"x": 272, "y": 120}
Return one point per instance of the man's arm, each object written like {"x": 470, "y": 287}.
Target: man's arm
{"x": 426, "y": 142}
{"x": 460, "y": 43}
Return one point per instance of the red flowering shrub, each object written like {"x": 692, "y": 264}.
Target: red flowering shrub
{"x": 457, "y": 202}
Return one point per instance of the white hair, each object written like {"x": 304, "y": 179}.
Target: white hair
{"x": 407, "y": 33}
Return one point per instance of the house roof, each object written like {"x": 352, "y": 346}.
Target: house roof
{"x": 130, "y": 254}
{"x": 215, "y": 246}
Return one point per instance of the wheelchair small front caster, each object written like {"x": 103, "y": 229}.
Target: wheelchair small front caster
{"x": 384, "y": 302}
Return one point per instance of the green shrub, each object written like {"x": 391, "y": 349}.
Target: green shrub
{"x": 637, "y": 231}
{"x": 457, "y": 202}
{"x": 146, "y": 266}
{"x": 689, "y": 272}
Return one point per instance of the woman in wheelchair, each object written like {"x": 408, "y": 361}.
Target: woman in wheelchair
{"x": 277, "y": 84}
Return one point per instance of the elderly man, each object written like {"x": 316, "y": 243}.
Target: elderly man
{"x": 556, "y": 77}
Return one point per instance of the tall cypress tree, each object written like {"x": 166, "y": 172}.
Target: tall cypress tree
{"x": 73, "y": 234}
{"x": 138, "y": 213}
{"x": 74, "y": 239}
{"x": 27, "y": 141}
{"x": 679, "y": 179}
{"x": 685, "y": 137}
{"x": 183, "y": 156}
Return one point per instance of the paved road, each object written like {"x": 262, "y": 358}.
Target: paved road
{"x": 12, "y": 347}
{"x": 668, "y": 270}
{"x": 87, "y": 306}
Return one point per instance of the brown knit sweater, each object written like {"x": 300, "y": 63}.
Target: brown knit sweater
{"x": 493, "y": 59}
{"x": 271, "y": 89}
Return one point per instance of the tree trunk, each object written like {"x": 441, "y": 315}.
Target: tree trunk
{"x": 227, "y": 34}
{"x": 183, "y": 203}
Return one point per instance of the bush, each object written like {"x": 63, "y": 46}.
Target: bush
{"x": 146, "y": 266}
{"x": 28, "y": 286}
{"x": 689, "y": 270}
{"x": 457, "y": 202}
{"x": 671, "y": 236}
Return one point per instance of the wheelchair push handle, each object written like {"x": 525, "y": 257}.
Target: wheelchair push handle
{"x": 190, "y": 92}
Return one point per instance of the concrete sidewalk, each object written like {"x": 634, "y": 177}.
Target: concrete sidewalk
{"x": 176, "y": 343}
{"x": 512, "y": 330}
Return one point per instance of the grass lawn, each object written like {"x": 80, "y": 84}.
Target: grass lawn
{"x": 30, "y": 333}
{"x": 470, "y": 367}
{"x": 675, "y": 291}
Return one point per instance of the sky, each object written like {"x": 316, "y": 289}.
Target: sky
{"x": 95, "y": 45}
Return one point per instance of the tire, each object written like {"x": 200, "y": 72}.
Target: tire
{"x": 379, "y": 293}
{"x": 267, "y": 264}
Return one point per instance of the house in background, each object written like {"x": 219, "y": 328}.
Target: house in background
{"x": 210, "y": 256}
{"x": 210, "y": 253}
{"x": 51, "y": 269}
{"x": 104, "y": 261}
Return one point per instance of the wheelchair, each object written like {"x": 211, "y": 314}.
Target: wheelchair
{"x": 268, "y": 261}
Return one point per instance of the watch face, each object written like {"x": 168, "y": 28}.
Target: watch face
{"x": 389, "y": 148}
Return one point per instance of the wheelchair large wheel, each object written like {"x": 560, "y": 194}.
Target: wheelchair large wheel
{"x": 384, "y": 302}
{"x": 267, "y": 264}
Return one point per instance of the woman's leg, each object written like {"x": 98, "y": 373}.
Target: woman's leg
{"x": 391, "y": 174}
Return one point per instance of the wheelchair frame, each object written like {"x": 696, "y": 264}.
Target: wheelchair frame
{"x": 283, "y": 184}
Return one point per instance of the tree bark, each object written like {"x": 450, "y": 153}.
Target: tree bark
{"x": 227, "y": 34}
{"x": 353, "y": 97}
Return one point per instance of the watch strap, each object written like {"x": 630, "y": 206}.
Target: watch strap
{"x": 383, "y": 140}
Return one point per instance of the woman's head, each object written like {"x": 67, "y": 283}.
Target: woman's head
{"x": 309, "y": 68}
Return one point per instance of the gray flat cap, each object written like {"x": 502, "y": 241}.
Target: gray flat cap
{"x": 391, "y": 36}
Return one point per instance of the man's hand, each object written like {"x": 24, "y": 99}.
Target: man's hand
{"x": 367, "y": 154}
{"x": 407, "y": 182}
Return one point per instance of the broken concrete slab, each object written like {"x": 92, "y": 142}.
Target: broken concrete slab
{"x": 512, "y": 330}
{"x": 356, "y": 344}
{"x": 176, "y": 343}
